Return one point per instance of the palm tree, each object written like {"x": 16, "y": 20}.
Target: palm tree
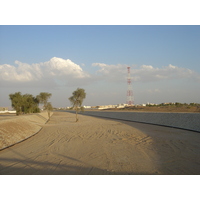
{"x": 77, "y": 99}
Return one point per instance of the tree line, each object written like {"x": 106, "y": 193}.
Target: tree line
{"x": 27, "y": 103}
{"x": 176, "y": 104}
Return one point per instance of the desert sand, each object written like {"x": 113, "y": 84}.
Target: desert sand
{"x": 14, "y": 129}
{"x": 103, "y": 147}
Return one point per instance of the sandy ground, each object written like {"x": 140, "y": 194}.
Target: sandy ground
{"x": 14, "y": 129}
{"x": 7, "y": 116}
{"x": 98, "y": 146}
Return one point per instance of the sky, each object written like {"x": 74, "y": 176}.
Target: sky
{"x": 164, "y": 62}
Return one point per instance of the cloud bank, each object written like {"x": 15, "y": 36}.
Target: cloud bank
{"x": 59, "y": 72}
{"x": 145, "y": 73}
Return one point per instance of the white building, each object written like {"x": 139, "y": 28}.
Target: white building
{"x": 5, "y": 110}
{"x": 121, "y": 105}
{"x": 106, "y": 106}
{"x": 87, "y": 107}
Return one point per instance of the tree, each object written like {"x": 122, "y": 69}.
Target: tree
{"x": 30, "y": 104}
{"x": 77, "y": 99}
{"x": 49, "y": 108}
{"x": 17, "y": 102}
{"x": 43, "y": 98}
{"x": 26, "y": 103}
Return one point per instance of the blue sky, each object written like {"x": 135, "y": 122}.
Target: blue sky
{"x": 164, "y": 62}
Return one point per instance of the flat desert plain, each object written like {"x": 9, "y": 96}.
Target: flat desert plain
{"x": 103, "y": 147}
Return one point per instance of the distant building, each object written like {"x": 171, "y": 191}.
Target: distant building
{"x": 3, "y": 108}
{"x": 87, "y": 107}
{"x": 151, "y": 104}
{"x": 106, "y": 106}
{"x": 121, "y": 105}
{"x": 170, "y": 103}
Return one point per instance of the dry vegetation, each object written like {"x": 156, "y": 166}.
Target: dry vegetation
{"x": 165, "y": 108}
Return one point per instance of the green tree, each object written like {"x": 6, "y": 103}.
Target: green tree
{"x": 30, "y": 104}
{"x": 26, "y": 103}
{"x": 77, "y": 99}
{"x": 43, "y": 98}
{"x": 17, "y": 102}
{"x": 36, "y": 108}
{"x": 49, "y": 108}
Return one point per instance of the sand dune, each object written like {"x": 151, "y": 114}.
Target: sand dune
{"x": 98, "y": 146}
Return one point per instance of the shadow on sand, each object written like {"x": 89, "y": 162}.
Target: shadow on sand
{"x": 27, "y": 166}
{"x": 30, "y": 167}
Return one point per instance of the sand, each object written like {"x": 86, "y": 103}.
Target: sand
{"x": 103, "y": 147}
{"x": 14, "y": 129}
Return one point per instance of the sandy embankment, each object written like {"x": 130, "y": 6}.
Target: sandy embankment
{"x": 18, "y": 128}
{"x": 100, "y": 146}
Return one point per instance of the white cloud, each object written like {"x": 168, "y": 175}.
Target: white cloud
{"x": 146, "y": 73}
{"x": 21, "y": 73}
{"x": 60, "y": 67}
{"x": 112, "y": 72}
{"x": 58, "y": 71}
{"x": 55, "y": 69}
{"x": 146, "y": 67}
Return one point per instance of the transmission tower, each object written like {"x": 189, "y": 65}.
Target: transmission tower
{"x": 130, "y": 100}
